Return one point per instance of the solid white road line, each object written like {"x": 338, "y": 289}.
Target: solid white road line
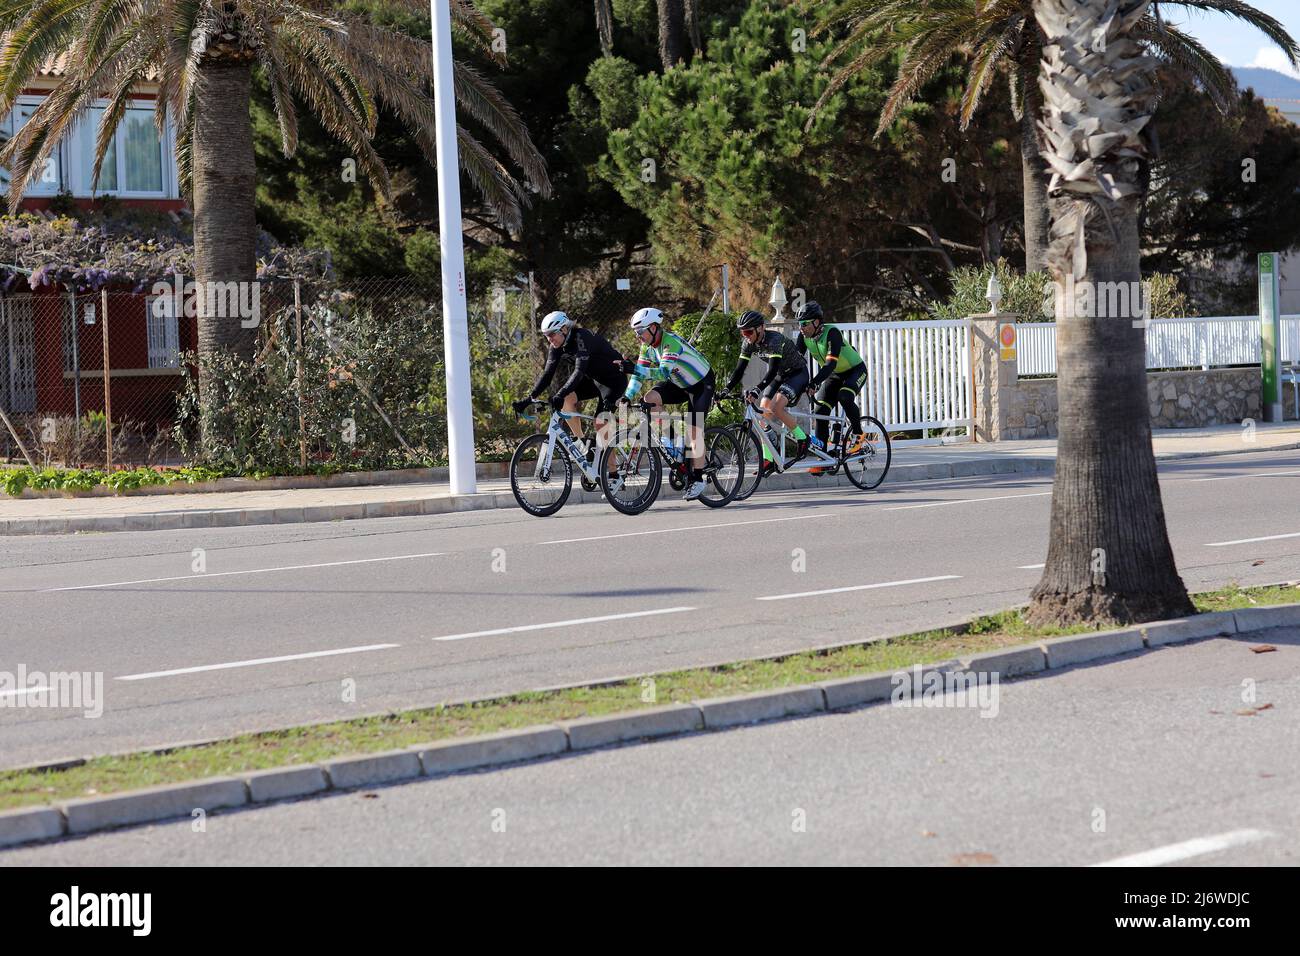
{"x": 1189, "y": 848}
{"x": 967, "y": 501}
{"x": 1271, "y": 537}
{"x": 694, "y": 527}
{"x": 1031, "y": 567}
{"x": 860, "y": 587}
{"x": 23, "y": 691}
{"x": 572, "y": 623}
{"x": 223, "y": 574}
{"x": 261, "y": 660}
{"x": 1262, "y": 474}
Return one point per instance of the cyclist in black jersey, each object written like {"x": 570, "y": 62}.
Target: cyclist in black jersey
{"x": 597, "y": 371}
{"x": 785, "y": 380}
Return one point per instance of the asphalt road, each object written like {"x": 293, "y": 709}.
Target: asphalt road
{"x": 1154, "y": 755}
{"x": 282, "y": 621}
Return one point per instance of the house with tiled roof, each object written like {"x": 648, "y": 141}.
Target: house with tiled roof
{"x": 51, "y": 342}
{"x": 139, "y": 169}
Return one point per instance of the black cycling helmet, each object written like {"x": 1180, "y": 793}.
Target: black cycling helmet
{"x": 812, "y": 312}
{"x": 749, "y": 319}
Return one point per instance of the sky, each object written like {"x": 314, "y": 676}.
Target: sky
{"x": 1236, "y": 43}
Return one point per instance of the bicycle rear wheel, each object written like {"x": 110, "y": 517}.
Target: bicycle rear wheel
{"x": 631, "y": 473}
{"x": 751, "y": 454}
{"x": 540, "y": 492}
{"x": 867, "y": 467}
{"x": 723, "y": 466}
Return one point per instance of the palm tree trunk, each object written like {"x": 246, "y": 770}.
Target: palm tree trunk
{"x": 224, "y": 176}
{"x": 672, "y": 32}
{"x": 1033, "y": 170}
{"x": 1109, "y": 559}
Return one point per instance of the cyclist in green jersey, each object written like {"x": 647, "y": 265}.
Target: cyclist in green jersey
{"x": 681, "y": 375}
{"x": 840, "y": 378}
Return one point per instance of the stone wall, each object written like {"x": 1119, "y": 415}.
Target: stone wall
{"x": 1030, "y": 409}
{"x": 1008, "y": 407}
{"x": 1195, "y": 399}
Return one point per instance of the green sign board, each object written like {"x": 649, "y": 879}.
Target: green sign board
{"x": 1270, "y": 335}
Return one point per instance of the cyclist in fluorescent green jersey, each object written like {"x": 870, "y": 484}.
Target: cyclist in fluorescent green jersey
{"x": 840, "y": 378}
{"x": 681, "y": 375}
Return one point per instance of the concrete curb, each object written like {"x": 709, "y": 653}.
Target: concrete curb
{"x": 491, "y": 750}
{"x": 1081, "y": 648}
{"x": 448, "y": 504}
{"x": 1262, "y": 618}
{"x": 1013, "y": 662}
{"x": 764, "y": 705}
{"x": 1188, "y": 628}
{"x": 348, "y": 773}
{"x": 602, "y": 731}
{"x": 81, "y": 816}
{"x": 157, "y": 803}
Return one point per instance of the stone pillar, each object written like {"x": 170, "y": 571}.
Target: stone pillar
{"x": 994, "y": 379}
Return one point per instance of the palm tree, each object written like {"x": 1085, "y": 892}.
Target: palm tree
{"x": 1000, "y": 35}
{"x": 1109, "y": 558}
{"x": 202, "y": 54}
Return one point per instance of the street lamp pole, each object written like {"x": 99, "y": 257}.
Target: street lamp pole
{"x": 455, "y": 319}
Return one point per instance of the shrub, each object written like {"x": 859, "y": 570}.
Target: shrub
{"x": 1031, "y": 296}
{"x": 361, "y": 355}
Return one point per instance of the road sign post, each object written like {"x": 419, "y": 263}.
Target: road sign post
{"x": 1270, "y": 336}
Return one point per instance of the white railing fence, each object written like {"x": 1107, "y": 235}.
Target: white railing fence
{"x": 918, "y": 373}
{"x": 1171, "y": 343}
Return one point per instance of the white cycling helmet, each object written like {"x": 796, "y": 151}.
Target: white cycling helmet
{"x": 555, "y": 322}
{"x": 645, "y": 318}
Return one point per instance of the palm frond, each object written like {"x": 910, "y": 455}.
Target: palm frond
{"x": 1270, "y": 26}
{"x": 988, "y": 55}
{"x": 492, "y": 180}
{"x": 1185, "y": 51}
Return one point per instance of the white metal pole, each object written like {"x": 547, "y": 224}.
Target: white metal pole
{"x": 455, "y": 320}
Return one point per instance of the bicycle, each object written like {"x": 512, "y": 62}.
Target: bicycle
{"x": 865, "y": 466}
{"x": 632, "y": 465}
{"x": 538, "y": 487}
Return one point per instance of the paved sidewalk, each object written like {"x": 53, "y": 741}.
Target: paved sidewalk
{"x": 286, "y": 506}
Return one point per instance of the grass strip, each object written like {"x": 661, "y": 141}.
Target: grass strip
{"x": 302, "y": 745}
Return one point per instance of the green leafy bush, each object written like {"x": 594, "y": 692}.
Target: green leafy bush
{"x": 1031, "y": 296}
{"x": 361, "y": 355}
{"x": 15, "y": 481}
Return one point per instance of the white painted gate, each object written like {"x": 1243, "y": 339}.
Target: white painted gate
{"x": 918, "y": 373}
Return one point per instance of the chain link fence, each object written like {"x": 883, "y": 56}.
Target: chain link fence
{"x": 88, "y": 378}
{"x": 347, "y": 374}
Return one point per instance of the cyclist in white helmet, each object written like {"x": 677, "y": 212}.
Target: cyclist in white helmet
{"x": 681, "y": 375}
{"x": 597, "y": 370}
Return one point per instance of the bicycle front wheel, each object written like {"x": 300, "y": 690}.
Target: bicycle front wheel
{"x": 751, "y": 456}
{"x": 541, "y": 488}
{"x": 724, "y": 467}
{"x": 868, "y": 466}
{"x": 631, "y": 473}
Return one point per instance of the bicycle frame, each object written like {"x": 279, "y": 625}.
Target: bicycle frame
{"x": 817, "y": 457}
{"x": 558, "y": 431}
{"x": 673, "y": 453}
